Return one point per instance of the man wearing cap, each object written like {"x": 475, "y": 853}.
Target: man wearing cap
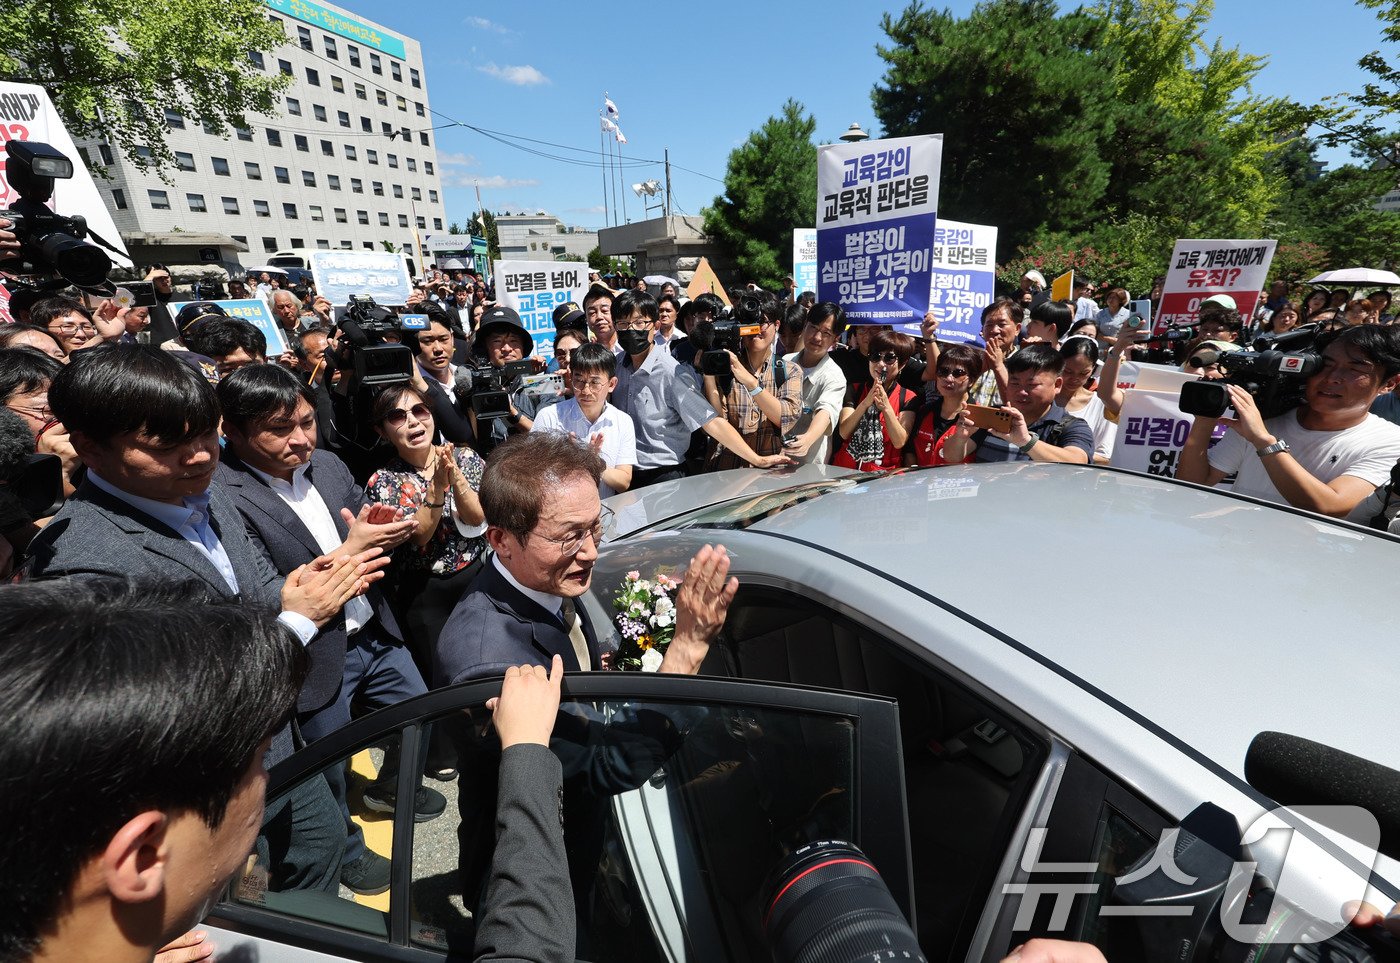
{"x": 1084, "y": 305}
{"x": 1033, "y": 281}
{"x": 500, "y": 340}
{"x": 1219, "y": 319}
{"x": 161, "y": 329}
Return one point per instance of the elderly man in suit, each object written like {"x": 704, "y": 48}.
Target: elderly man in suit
{"x": 146, "y": 427}
{"x": 545, "y": 521}
{"x": 298, "y": 503}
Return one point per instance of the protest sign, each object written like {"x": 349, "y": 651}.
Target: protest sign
{"x": 253, "y": 310}
{"x": 1152, "y": 430}
{"x": 382, "y": 275}
{"x": 1062, "y": 288}
{"x": 804, "y": 259}
{"x": 877, "y": 204}
{"x": 534, "y": 289}
{"x": 705, "y": 281}
{"x": 964, "y": 278}
{"x": 1202, "y": 269}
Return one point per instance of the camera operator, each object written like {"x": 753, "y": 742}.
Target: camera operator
{"x": 1325, "y": 456}
{"x": 436, "y": 377}
{"x": 500, "y": 340}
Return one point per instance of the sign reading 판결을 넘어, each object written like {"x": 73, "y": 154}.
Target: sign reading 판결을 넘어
{"x": 1152, "y": 430}
{"x": 877, "y": 203}
{"x": 1200, "y": 269}
{"x": 804, "y": 260}
{"x": 964, "y": 280}
{"x": 382, "y": 275}
{"x": 253, "y": 310}
{"x": 535, "y": 288}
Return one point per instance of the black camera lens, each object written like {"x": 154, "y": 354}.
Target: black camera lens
{"x": 77, "y": 262}
{"x": 827, "y": 904}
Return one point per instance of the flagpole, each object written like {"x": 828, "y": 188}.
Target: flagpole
{"x": 624, "y": 179}
{"x": 602, "y": 142}
{"x": 617, "y": 184}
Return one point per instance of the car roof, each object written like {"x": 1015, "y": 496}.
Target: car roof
{"x": 1211, "y": 615}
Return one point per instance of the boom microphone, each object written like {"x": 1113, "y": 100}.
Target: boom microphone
{"x": 1298, "y": 772}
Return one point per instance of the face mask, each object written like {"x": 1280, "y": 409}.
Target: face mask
{"x": 633, "y": 342}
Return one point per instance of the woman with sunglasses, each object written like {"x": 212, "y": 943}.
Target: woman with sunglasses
{"x": 878, "y": 415}
{"x": 437, "y": 486}
{"x": 959, "y": 365}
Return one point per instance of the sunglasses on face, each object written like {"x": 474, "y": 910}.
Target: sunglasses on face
{"x": 952, "y": 372}
{"x": 398, "y": 416}
{"x": 887, "y": 357}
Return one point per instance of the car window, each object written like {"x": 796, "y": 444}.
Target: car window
{"x": 738, "y": 513}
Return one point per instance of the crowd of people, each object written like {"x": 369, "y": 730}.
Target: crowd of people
{"x": 415, "y": 534}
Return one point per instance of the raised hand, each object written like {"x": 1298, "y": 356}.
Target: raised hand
{"x": 701, "y": 606}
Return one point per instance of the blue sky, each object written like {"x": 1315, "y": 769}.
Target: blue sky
{"x": 698, "y": 78}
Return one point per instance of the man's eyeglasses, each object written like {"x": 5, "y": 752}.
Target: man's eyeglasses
{"x": 71, "y": 328}
{"x": 952, "y": 372}
{"x": 571, "y": 543}
{"x": 589, "y": 383}
{"x": 42, "y": 412}
{"x": 640, "y": 324}
{"x": 398, "y": 416}
{"x": 887, "y": 357}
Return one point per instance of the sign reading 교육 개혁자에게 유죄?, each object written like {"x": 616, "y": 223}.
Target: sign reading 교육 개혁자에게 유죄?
{"x": 877, "y": 204}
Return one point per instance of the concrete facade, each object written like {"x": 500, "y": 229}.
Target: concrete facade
{"x": 324, "y": 174}
{"x": 540, "y": 237}
{"x": 672, "y": 246}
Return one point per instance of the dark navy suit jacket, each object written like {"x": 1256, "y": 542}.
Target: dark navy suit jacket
{"x": 495, "y": 626}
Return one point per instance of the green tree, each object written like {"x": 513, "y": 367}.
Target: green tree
{"x": 770, "y": 187}
{"x": 113, "y": 67}
{"x": 454, "y": 228}
{"x": 602, "y": 263}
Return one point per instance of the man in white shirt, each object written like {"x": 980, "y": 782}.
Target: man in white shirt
{"x": 823, "y": 385}
{"x": 588, "y": 417}
{"x": 1325, "y": 456}
{"x": 668, "y": 308}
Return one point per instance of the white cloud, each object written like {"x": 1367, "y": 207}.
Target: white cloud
{"x": 455, "y": 160}
{"x": 456, "y": 171}
{"x": 481, "y": 23}
{"x": 595, "y": 209}
{"x": 522, "y": 75}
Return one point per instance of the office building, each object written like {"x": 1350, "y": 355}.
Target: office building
{"x": 541, "y": 237}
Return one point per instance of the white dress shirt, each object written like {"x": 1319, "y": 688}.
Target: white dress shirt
{"x": 619, "y": 437}
{"x": 553, "y": 604}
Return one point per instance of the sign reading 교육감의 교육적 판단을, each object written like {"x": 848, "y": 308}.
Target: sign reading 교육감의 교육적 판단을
{"x": 535, "y": 288}
{"x": 877, "y": 204}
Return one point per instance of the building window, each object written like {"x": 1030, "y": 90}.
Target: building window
{"x": 432, "y": 196}
{"x": 413, "y": 77}
{"x": 366, "y": 126}
{"x": 322, "y": 245}
{"x": 360, "y": 92}
{"x": 286, "y": 67}
{"x": 437, "y": 223}
{"x": 304, "y": 38}
{"x": 230, "y": 205}
{"x": 353, "y": 52}
{"x": 173, "y": 119}
{"x": 316, "y": 213}
{"x": 106, "y": 154}
{"x": 349, "y": 152}
{"x": 196, "y": 203}
{"x": 252, "y": 171}
{"x": 220, "y": 166}
{"x": 308, "y": 178}
{"x": 274, "y": 138}
{"x": 427, "y": 167}
{"x": 312, "y": 77}
{"x": 261, "y": 209}
{"x": 422, "y": 224}
{"x": 342, "y": 118}
{"x": 209, "y": 127}
{"x": 395, "y": 71}
{"x": 160, "y": 201}
{"x": 245, "y": 134}
{"x": 337, "y": 84}
{"x": 416, "y": 194}
{"x": 378, "y": 187}
{"x": 403, "y": 220}
{"x": 362, "y": 216}
{"x": 327, "y": 148}
{"x": 383, "y": 219}
{"x": 282, "y": 175}
{"x": 240, "y": 238}
{"x": 357, "y": 186}
{"x": 372, "y": 156}
{"x": 412, "y": 164}
{"x": 340, "y": 217}
{"x": 289, "y": 211}
{"x": 401, "y": 103}
{"x": 333, "y": 181}
{"x": 418, "y": 108}
{"x": 381, "y": 98}
{"x": 407, "y": 135}
{"x": 293, "y": 106}
{"x": 296, "y": 242}
{"x": 423, "y": 138}
{"x": 255, "y": 58}
{"x": 367, "y": 245}
{"x": 394, "y": 161}
{"x": 184, "y": 161}
{"x": 318, "y": 112}
{"x": 270, "y": 245}
{"x": 302, "y": 143}
{"x": 346, "y": 246}
{"x": 398, "y": 191}
{"x": 330, "y": 49}
{"x": 374, "y": 65}
{"x": 387, "y": 128}
{"x": 119, "y": 199}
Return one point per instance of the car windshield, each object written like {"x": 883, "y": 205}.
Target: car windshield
{"x": 739, "y": 513}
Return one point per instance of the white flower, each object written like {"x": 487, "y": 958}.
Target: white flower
{"x": 664, "y": 606}
{"x": 651, "y": 660}
{"x": 661, "y": 621}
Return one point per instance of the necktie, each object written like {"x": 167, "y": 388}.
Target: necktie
{"x": 569, "y": 615}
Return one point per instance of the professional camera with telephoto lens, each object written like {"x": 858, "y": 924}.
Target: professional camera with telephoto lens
{"x": 745, "y": 318}
{"x": 1275, "y": 374}
{"x": 49, "y": 243}
{"x": 490, "y": 387}
{"x": 1166, "y": 346}
{"x": 368, "y": 358}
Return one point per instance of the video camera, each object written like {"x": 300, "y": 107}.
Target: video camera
{"x": 1275, "y": 374}
{"x": 367, "y": 357}
{"x": 1165, "y": 347}
{"x": 490, "y": 387}
{"x": 49, "y": 243}
{"x": 745, "y": 318}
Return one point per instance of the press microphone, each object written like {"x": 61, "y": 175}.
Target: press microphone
{"x": 1299, "y": 772}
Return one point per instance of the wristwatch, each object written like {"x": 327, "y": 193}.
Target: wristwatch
{"x": 1274, "y": 449}
{"x": 756, "y": 390}
{"x": 1026, "y": 448}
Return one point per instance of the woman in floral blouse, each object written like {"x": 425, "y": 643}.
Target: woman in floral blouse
{"x": 437, "y": 486}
